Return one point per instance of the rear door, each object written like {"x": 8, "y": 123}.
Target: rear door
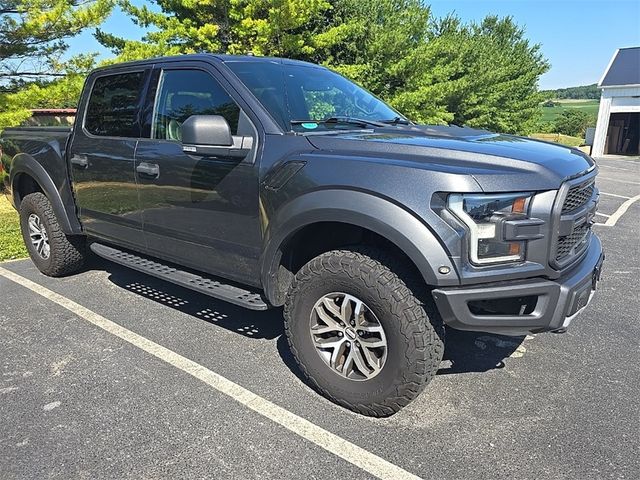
{"x": 102, "y": 156}
{"x": 199, "y": 211}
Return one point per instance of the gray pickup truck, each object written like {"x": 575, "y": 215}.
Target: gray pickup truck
{"x": 268, "y": 182}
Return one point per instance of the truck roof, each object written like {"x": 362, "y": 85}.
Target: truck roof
{"x": 209, "y": 56}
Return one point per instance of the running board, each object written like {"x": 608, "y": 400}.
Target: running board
{"x": 207, "y": 286}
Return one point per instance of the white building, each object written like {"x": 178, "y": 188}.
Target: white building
{"x": 618, "y": 127}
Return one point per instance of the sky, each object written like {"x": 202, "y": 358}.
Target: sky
{"x": 578, "y": 37}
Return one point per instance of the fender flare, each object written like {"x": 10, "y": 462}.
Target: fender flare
{"x": 66, "y": 215}
{"x": 365, "y": 210}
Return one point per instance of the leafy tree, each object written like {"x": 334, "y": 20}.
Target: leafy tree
{"x": 573, "y": 122}
{"x": 481, "y": 74}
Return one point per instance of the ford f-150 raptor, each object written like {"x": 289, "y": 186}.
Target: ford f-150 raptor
{"x": 269, "y": 182}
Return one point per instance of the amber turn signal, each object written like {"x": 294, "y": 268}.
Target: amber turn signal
{"x": 514, "y": 249}
{"x": 519, "y": 205}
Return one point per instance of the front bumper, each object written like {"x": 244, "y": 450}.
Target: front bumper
{"x": 550, "y": 304}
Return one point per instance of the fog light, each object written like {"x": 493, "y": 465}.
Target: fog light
{"x": 444, "y": 270}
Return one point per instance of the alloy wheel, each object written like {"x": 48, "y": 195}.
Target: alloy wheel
{"x": 38, "y": 236}
{"x": 348, "y": 336}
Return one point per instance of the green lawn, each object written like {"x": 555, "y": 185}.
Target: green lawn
{"x": 11, "y": 245}
{"x": 549, "y": 114}
{"x": 559, "y": 138}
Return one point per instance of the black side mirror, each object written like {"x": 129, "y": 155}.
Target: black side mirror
{"x": 210, "y": 136}
{"x": 205, "y": 131}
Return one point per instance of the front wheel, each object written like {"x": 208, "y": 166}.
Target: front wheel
{"x": 360, "y": 335}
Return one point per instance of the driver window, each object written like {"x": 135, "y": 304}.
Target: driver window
{"x": 182, "y": 93}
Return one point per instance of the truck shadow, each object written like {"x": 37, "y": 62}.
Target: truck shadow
{"x": 260, "y": 325}
{"x": 465, "y": 352}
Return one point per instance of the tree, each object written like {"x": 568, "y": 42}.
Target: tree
{"x": 484, "y": 75}
{"x": 437, "y": 71}
{"x": 61, "y": 92}
{"x": 261, "y": 27}
{"x": 584, "y": 92}
{"x": 33, "y": 33}
{"x": 32, "y": 41}
{"x": 573, "y": 122}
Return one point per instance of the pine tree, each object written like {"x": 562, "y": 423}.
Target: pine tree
{"x": 32, "y": 42}
{"x": 33, "y": 33}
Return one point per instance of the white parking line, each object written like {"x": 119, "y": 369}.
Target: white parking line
{"x": 330, "y": 442}
{"x": 613, "y": 219}
{"x": 603, "y": 214}
{"x": 600, "y": 177}
{"x": 614, "y": 195}
{"x": 600, "y": 165}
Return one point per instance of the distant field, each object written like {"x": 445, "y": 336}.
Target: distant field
{"x": 550, "y": 113}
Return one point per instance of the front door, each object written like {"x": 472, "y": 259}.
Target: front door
{"x": 199, "y": 211}
{"x": 102, "y": 158}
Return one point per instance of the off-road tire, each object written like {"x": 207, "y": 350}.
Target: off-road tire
{"x": 395, "y": 294}
{"x": 67, "y": 252}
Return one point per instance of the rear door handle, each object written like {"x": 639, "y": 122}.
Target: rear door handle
{"x": 150, "y": 169}
{"x": 80, "y": 161}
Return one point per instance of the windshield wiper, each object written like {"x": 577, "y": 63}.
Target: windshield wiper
{"x": 396, "y": 121}
{"x": 361, "y": 122}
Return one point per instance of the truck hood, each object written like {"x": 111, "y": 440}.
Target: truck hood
{"x": 497, "y": 162}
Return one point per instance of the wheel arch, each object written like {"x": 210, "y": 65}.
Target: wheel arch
{"x": 28, "y": 176}
{"x": 301, "y": 221}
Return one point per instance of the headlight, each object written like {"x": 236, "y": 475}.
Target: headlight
{"x": 485, "y": 215}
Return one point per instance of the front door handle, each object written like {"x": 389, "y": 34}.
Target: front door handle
{"x": 150, "y": 169}
{"x": 80, "y": 161}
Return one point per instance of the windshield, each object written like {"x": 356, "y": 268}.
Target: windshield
{"x": 297, "y": 96}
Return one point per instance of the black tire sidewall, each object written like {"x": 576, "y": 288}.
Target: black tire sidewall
{"x": 375, "y": 390}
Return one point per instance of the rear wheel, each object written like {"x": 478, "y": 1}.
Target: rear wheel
{"x": 360, "y": 335}
{"x": 54, "y": 253}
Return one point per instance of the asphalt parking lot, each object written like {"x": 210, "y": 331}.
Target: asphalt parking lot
{"x": 82, "y": 397}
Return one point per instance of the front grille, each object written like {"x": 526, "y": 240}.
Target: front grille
{"x": 568, "y": 243}
{"x": 576, "y": 212}
{"x": 577, "y": 196}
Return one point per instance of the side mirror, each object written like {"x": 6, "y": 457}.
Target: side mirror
{"x": 205, "y": 131}
{"x": 210, "y": 136}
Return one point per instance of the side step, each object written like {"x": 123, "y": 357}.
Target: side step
{"x": 213, "y": 288}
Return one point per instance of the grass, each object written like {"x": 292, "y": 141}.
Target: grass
{"x": 558, "y": 138}
{"x": 549, "y": 114}
{"x": 11, "y": 244}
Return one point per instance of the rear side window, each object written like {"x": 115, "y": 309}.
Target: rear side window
{"x": 113, "y": 105}
{"x": 183, "y": 93}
